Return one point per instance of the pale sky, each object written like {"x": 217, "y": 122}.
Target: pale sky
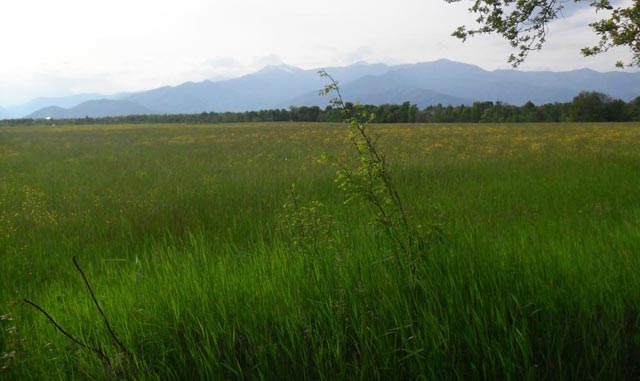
{"x": 64, "y": 47}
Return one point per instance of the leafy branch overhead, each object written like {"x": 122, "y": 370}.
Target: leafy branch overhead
{"x": 524, "y": 24}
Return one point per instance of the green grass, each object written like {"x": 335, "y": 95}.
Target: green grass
{"x": 179, "y": 229}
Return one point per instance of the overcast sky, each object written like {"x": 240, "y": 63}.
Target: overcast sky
{"x": 62, "y": 47}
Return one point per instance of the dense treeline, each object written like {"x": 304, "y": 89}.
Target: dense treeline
{"x": 585, "y": 107}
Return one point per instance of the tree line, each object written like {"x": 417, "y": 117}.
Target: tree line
{"x": 585, "y": 107}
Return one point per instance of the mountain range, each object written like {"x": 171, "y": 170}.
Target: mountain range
{"x": 439, "y": 82}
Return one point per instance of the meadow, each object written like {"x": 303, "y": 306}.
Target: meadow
{"x": 182, "y": 232}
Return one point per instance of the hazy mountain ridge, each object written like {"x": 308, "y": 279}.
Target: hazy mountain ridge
{"x": 439, "y": 82}
{"x": 378, "y": 90}
{"x": 625, "y": 86}
{"x": 36, "y": 104}
{"x": 509, "y": 86}
{"x": 94, "y": 108}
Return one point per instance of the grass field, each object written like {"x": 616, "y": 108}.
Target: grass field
{"x": 180, "y": 230}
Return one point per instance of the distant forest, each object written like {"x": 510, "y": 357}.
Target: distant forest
{"x": 585, "y": 107}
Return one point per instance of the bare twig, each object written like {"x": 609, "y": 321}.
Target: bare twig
{"x": 95, "y": 302}
{"x": 97, "y": 351}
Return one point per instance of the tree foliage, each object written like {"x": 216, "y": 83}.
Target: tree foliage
{"x": 603, "y": 108}
{"x": 524, "y": 24}
{"x": 585, "y": 107}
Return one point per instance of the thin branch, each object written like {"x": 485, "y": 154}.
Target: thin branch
{"x": 95, "y": 302}
{"x": 101, "y": 354}
{"x": 334, "y": 86}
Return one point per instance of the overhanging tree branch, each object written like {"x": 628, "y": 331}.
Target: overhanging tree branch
{"x": 524, "y": 24}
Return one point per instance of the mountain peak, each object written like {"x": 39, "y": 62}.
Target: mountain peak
{"x": 445, "y": 60}
{"x": 449, "y": 63}
{"x": 281, "y": 67}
